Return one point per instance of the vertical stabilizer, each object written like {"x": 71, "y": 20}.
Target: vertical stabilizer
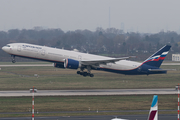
{"x": 153, "y": 113}
{"x": 157, "y": 58}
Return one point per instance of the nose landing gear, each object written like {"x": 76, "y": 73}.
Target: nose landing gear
{"x": 13, "y": 58}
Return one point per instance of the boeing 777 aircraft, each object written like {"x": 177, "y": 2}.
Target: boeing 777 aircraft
{"x": 74, "y": 60}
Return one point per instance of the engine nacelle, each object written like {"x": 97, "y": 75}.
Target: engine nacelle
{"x": 59, "y": 65}
{"x": 71, "y": 64}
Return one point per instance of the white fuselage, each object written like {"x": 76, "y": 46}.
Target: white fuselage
{"x": 59, "y": 55}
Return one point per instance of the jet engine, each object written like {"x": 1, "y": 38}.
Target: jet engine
{"x": 71, "y": 64}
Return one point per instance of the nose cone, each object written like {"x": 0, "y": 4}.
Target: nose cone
{"x": 3, "y": 48}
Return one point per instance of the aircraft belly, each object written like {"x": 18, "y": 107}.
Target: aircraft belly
{"x": 118, "y": 67}
{"x": 122, "y": 65}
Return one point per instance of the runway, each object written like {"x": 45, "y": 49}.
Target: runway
{"x": 105, "y": 117}
{"x": 89, "y": 92}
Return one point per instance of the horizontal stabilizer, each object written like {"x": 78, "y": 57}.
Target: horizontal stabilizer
{"x": 157, "y": 70}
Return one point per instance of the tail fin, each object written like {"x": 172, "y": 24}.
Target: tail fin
{"x": 153, "y": 113}
{"x": 157, "y": 58}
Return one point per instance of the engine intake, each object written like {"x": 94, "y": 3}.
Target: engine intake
{"x": 71, "y": 64}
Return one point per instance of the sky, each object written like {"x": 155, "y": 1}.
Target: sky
{"x": 144, "y": 16}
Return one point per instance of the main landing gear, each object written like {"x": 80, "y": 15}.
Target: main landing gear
{"x": 13, "y": 58}
{"x": 86, "y": 73}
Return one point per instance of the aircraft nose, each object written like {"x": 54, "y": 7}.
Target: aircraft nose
{"x": 3, "y": 48}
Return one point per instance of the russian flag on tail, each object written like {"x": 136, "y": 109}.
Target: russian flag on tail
{"x": 157, "y": 58}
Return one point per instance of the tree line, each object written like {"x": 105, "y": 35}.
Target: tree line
{"x": 110, "y": 42}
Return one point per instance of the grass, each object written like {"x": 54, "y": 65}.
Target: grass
{"x": 22, "y": 78}
{"x": 82, "y": 103}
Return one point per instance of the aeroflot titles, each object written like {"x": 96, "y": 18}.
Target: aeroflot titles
{"x": 24, "y": 46}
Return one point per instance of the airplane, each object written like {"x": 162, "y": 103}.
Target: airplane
{"x": 153, "y": 113}
{"x": 75, "y": 60}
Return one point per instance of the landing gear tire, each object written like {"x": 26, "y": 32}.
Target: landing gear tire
{"x": 91, "y": 75}
{"x": 85, "y": 74}
{"x": 13, "y": 61}
{"x": 78, "y": 72}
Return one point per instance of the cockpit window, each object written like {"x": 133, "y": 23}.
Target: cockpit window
{"x": 8, "y": 46}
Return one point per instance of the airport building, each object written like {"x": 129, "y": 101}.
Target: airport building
{"x": 175, "y": 57}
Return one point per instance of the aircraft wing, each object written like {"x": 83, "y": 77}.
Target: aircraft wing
{"x": 98, "y": 62}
